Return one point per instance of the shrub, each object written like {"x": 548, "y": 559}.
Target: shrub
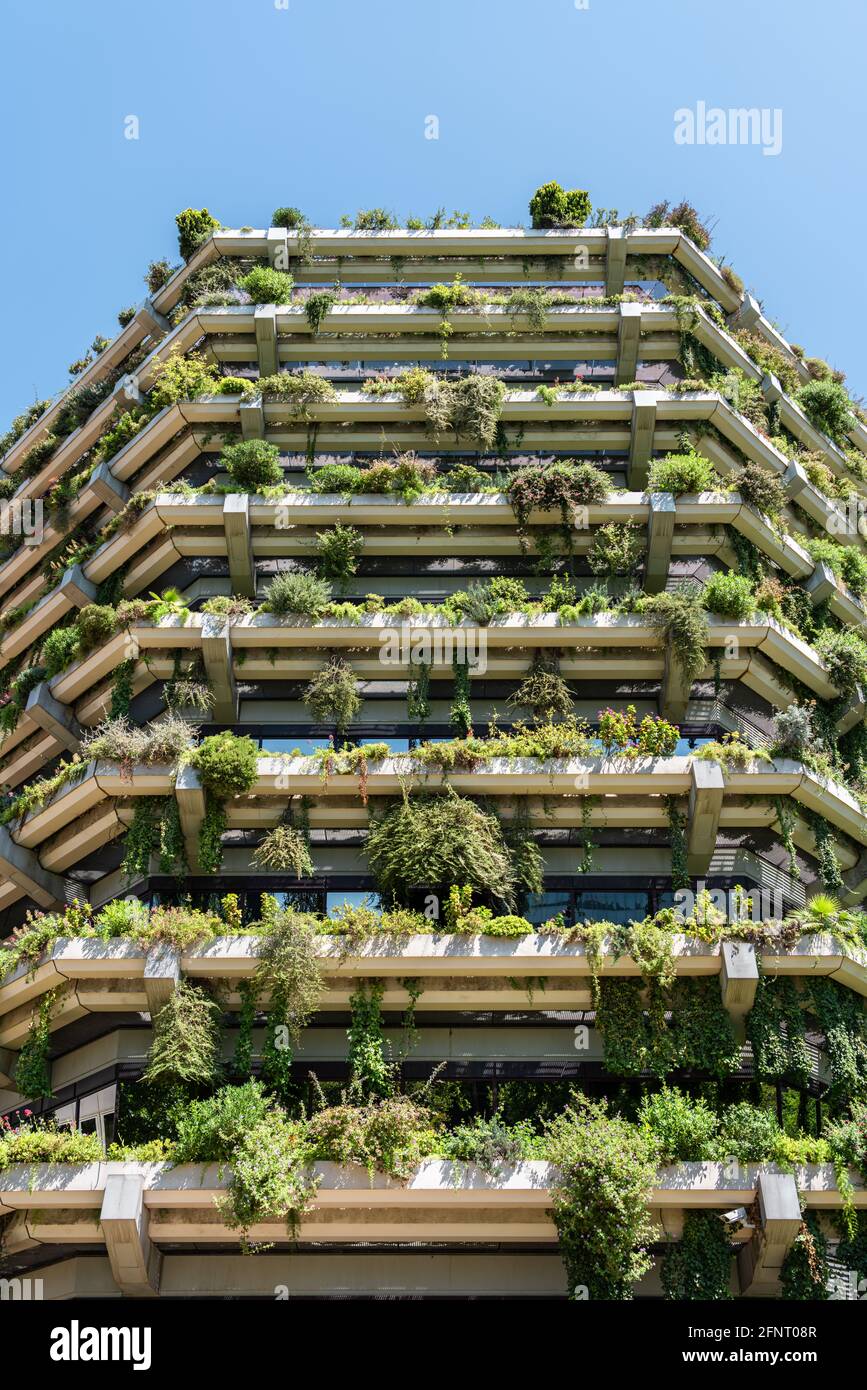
{"x": 182, "y": 378}
{"x": 270, "y": 1180}
{"x": 96, "y": 623}
{"x": 761, "y": 489}
{"x": 683, "y": 216}
{"x": 298, "y": 390}
{"x": 253, "y": 463}
{"x": 679, "y": 473}
{"x": 158, "y": 274}
{"x": 438, "y": 841}
{"x": 267, "y": 286}
{"x": 729, "y": 595}
{"x": 617, "y": 548}
{"x": 194, "y": 227}
{"x": 698, "y": 1266}
{"x": 60, "y": 648}
{"x": 556, "y": 486}
{"x": 746, "y": 1133}
{"x": 375, "y": 220}
{"x": 846, "y": 562}
{"x": 827, "y": 406}
{"x": 209, "y": 1131}
{"x": 845, "y": 657}
{"x": 553, "y": 206}
{"x": 227, "y": 764}
{"x": 297, "y": 592}
{"x": 389, "y": 1135}
{"x": 607, "y": 1169}
{"x": 793, "y": 732}
{"x": 681, "y": 615}
{"x": 336, "y": 477}
{"x": 683, "y": 1128}
{"x": 38, "y": 1143}
{"x": 290, "y": 218}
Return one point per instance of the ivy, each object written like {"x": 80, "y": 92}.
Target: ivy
{"x": 677, "y": 832}
{"x": 775, "y": 1028}
{"x": 698, "y": 1266}
{"x": 460, "y": 715}
{"x": 121, "y": 690}
{"x": 172, "y": 847}
{"x": 805, "y": 1271}
{"x": 369, "y": 1069}
{"x": 143, "y": 836}
{"x": 242, "y": 1060}
{"x": 186, "y": 1038}
{"x": 211, "y": 833}
{"x": 33, "y": 1069}
{"x": 418, "y": 693}
{"x": 829, "y": 865}
{"x": 786, "y": 819}
{"x": 841, "y": 1017}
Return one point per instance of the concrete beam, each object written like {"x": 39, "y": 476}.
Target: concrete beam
{"x": 821, "y": 583}
{"x": 252, "y": 419}
{"x": 161, "y": 974}
{"x": 660, "y": 535}
{"x": 265, "y": 319}
{"x": 615, "y": 261}
{"x": 109, "y": 489}
{"x": 191, "y": 806}
{"x": 23, "y": 868}
{"x": 855, "y": 713}
{"x": 239, "y": 544}
{"x": 135, "y": 1264}
{"x": 760, "y": 1262}
{"x": 217, "y": 656}
{"x": 641, "y": 439}
{"x": 76, "y": 588}
{"x": 771, "y": 388}
{"x": 739, "y": 978}
{"x": 707, "y": 786}
{"x": 747, "y": 314}
{"x": 157, "y": 324}
{"x": 675, "y": 688}
{"x": 56, "y": 719}
{"x": 794, "y": 480}
{"x": 628, "y": 342}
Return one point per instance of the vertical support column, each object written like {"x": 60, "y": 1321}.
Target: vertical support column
{"x": 265, "y": 318}
{"x": 706, "y": 788}
{"x": 239, "y": 543}
{"x": 56, "y": 719}
{"x": 660, "y": 535}
{"x": 252, "y": 418}
{"x": 191, "y": 808}
{"x": 675, "y": 688}
{"x": 628, "y": 342}
{"x": 615, "y": 260}
{"x": 738, "y": 978}
{"x": 760, "y": 1262}
{"x": 161, "y": 974}
{"x": 135, "y": 1264}
{"x": 641, "y": 439}
{"x": 217, "y": 656}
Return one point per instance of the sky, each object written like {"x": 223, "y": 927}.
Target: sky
{"x": 245, "y": 105}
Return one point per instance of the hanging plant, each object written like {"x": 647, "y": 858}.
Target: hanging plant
{"x": 289, "y": 970}
{"x": 527, "y": 858}
{"x": 805, "y": 1272}
{"x": 461, "y": 715}
{"x": 587, "y": 805}
{"x": 33, "y": 1069}
{"x": 186, "y": 1038}
{"x": 172, "y": 847}
{"x": 211, "y": 833}
{"x": 786, "y": 820}
{"x": 370, "y": 1073}
{"x": 842, "y": 1019}
{"x": 829, "y": 865}
{"x": 698, "y": 1266}
{"x": 775, "y": 1028}
{"x": 242, "y": 1061}
{"x": 543, "y": 691}
{"x": 418, "y": 693}
{"x": 332, "y": 695}
{"x": 143, "y": 836}
{"x": 121, "y": 690}
{"x": 340, "y": 550}
{"x": 677, "y": 833}
{"x": 285, "y": 848}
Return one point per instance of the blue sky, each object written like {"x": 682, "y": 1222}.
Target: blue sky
{"x": 244, "y": 106}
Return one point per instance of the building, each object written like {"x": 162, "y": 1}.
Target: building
{"x": 518, "y": 542}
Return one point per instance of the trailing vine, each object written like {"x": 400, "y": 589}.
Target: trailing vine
{"x": 805, "y": 1271}
{"x": 418, "y": 693}
{"x": 186, "y": 1038}
{"x": 242, "y": 1060}
{"x": 829, "y": 865}
{"x": 460, "y": 715}
{"x": 786, "y": 819}
{"x": 143, "y": 836}
{"x": 33, "y": 1069}
{"x": 698, "y": 1266}
{"x": 121, "y": 690}
{"x": 369, "y": 1070}
{"x": 172, "y": 848}
{"x": 775, "y": 1027}
{"x": 677, "y": 832}
{"x": 211, "y": 833}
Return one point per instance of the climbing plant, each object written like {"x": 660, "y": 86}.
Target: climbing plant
{"x": 369, "y": 1069}
{"x": 677, "y": 834}
{"x": 698, "y": 1266}
{"x": 186, "y": 1038}
{"x": 805, "y": 1271}
{"x": 33, "y": 1069}
{"x": 775, "y": 1027}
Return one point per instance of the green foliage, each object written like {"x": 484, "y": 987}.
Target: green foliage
{"x": 42, "y": 1143}
{"x": 122, "y": 689}
{"x": 211, "y": 833}
{"x": 805, "y": 1272}
{"x": 561, "y": 486}
{"x": 142, "y": 838}
{"x": 775, "y": 1027}
{"x": 761, "y": 489}
{"x": 607, "y": 1169}
{"x": 729, "y": 595}
{"x": 182, "y": 378}
{"x": 297, "y": 593}
{"x": 285, "y": 848}
{"x": 96, "y": 623}
{"x": 186, "y": 1038}
{"x": 253, "y": 464}
{"x": 209, "y": 1131}
{"x": 553, "y": 206}
{"x": 683, "y": 1129}
{"x": 369, "y": 1069}
{"x": 227, "y": 764}
{"x": 845, "y": 656}
{"x": 290, "y": 218}
{"x": 340, "y": 549}
{"x": 317, "y": 306}
{"x": 684, "y": 216}
{"x": 680, "y": 473}
{"x": 194, "y": 226}
{"x": 698, "y": 1266}
{"x": 332, "y": 695}
{"x": 617, "y": 548}
{"x": 681, "y": 615}
{"x": 543, "y": 691}
{"x": 438, "y": 841}
{"x": 33, "y": 1069}
{"x": 267, "y": 286}
{"x": 846, "y": 561}
{"x": 59, "y": 649}
{"x": 827, "y": 406}
{"x": 389, "y": 1135}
